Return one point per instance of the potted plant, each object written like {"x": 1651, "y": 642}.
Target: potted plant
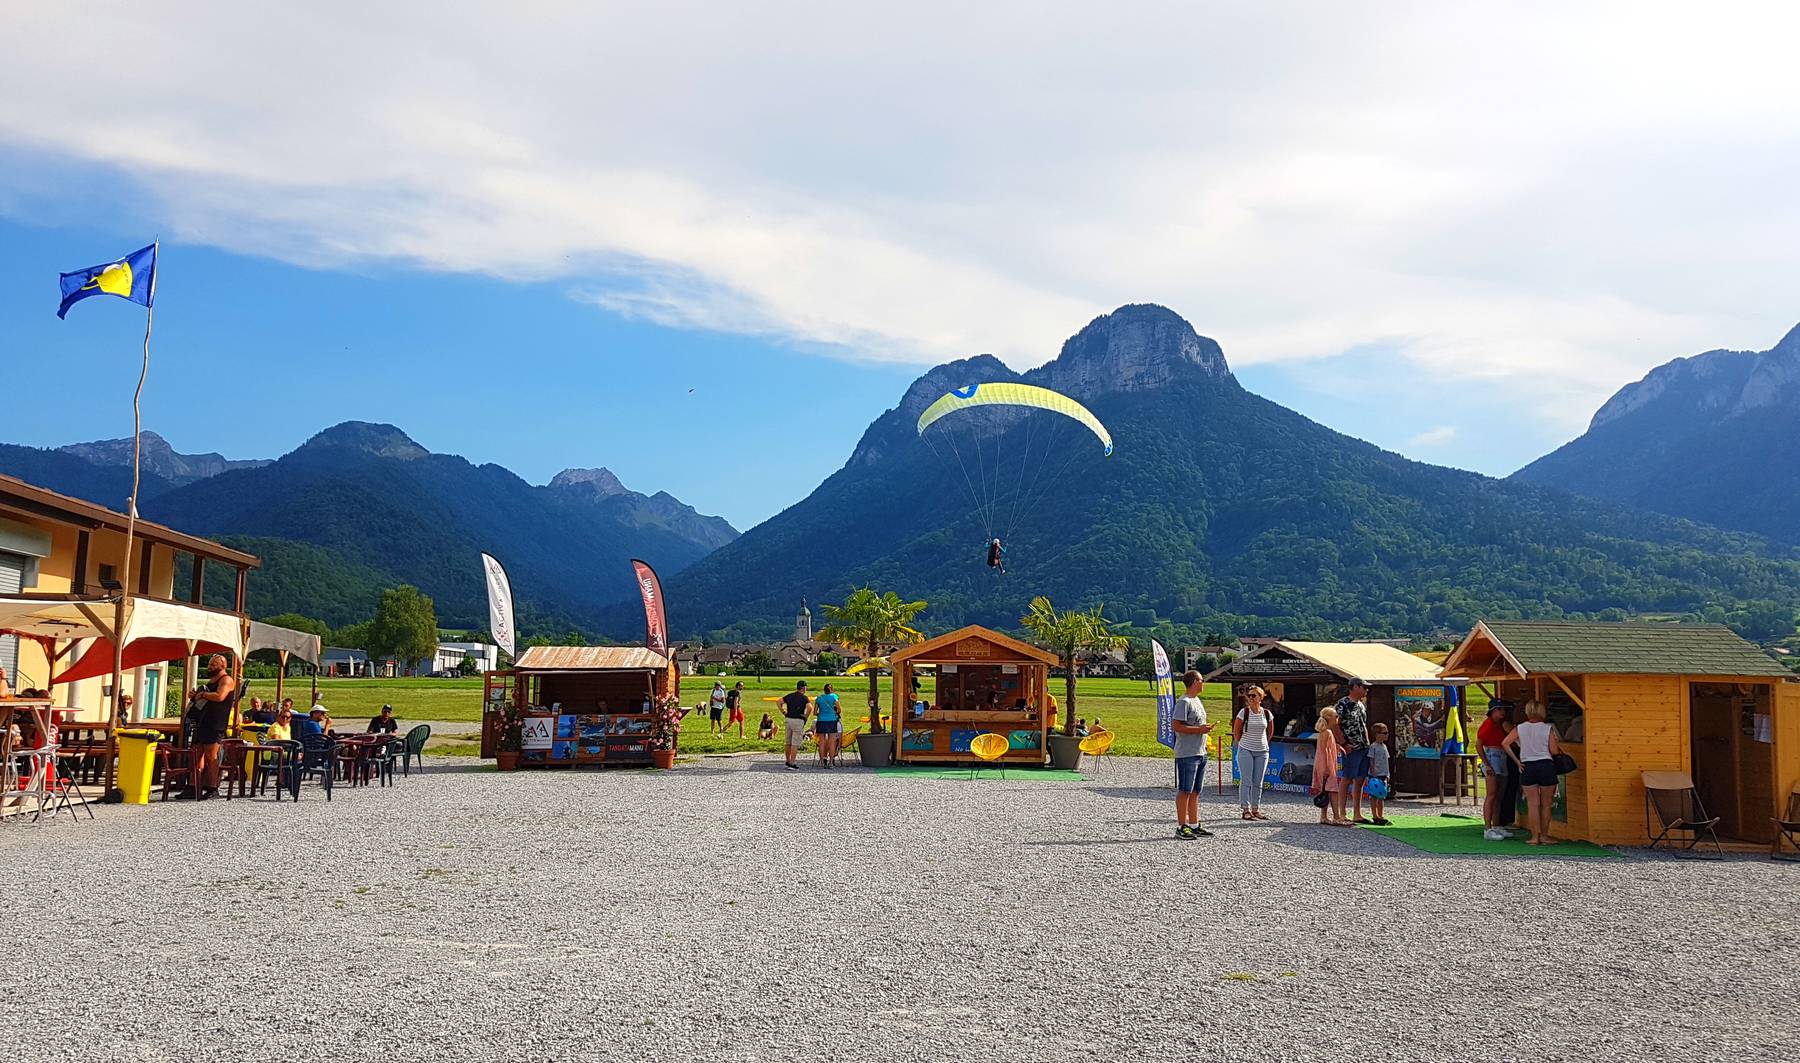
{"x": 665, "y": 732}
{"x": 511, "y": 739}
{"x": 1074, "y": 635}
{"x": 871, "y": 621}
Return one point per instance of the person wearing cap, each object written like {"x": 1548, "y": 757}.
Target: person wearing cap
{"x": 797, "y": 706}
{"x": 1353, "y": 737}
{"x": 385, "y": 722}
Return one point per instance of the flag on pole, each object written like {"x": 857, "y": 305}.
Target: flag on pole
{"x": 1165, "y": 695}
{"x": 132, "y": 277}
{"x": 500, "y": 604}
{"x": 656, "y": 621}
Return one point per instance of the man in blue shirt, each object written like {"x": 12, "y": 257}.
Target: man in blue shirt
{"x": 828, "y": 727}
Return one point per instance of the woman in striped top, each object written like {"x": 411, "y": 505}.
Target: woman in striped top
{"x": 1250, "y": 745}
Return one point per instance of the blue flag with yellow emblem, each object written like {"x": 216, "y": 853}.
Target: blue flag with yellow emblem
{"x": 132, "y": 277}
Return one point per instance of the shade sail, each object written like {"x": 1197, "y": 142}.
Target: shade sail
{"x": 282, "y": 639}
{"x": 81, "y": 618}
{"x": 160, "y": 631}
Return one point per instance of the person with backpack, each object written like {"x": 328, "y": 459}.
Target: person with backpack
{"x": 1250, "y": 746}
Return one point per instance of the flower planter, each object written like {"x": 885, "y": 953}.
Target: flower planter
{"x": 877, "y": 750}
{"x": 1065, "y": 752}
{"x": 662, "y": 758}
{"x": 506, "y": 761}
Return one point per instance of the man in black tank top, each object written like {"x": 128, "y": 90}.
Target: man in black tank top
{"x": 213, "y": 706}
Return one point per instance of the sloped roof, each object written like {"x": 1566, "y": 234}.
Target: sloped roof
{"x": 1375, "y": 661}
{"x": 933, "y": 647}
{"x": 1538, "y": 647}
{"x": 590, "y": 659}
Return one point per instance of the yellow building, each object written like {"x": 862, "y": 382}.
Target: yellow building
{"x": 1630, "y": 698}
{"x": 56, "y": 547}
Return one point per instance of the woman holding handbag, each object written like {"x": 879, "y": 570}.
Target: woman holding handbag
{"x": 1250, "y": 748}
{"x": 1326, "y": 782}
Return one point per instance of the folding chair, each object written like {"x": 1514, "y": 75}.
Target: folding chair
{"x": 847, "y": 740}
{"x": 1672, "y": 806}
{"x": 1787, "y": 827}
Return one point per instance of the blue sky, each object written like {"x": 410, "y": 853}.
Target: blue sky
{"x": 416, "y": 215}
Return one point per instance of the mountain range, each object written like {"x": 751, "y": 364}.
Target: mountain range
{"x": 361, "y": 506}
{"x": 1216, "y": 507}
{"x": 1713, "y": 437}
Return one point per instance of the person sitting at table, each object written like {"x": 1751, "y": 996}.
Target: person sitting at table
{"x": 313, "y": 723}
{"x": 281, "y": 729}
{"x": 262, "y": 711}
{"x": 992, "y": 703}
{"x": 384, "y": 723}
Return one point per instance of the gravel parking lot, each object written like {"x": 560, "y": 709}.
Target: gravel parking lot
{"x": 733, "y": 910}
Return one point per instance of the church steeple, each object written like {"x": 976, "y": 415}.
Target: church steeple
{"x": 803, "y": 623}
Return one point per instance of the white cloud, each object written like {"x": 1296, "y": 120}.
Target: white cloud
{"x": 1553, "y": 197}
{"x": 1433, "y": 437}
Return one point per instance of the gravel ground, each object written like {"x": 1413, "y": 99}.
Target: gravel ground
{"x": 731, "y": 910}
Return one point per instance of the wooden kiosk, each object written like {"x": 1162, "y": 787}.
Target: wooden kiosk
{"x": 1407, "y": 693}
{"x": 1626, "y": 698}
{"x": 986, "y": 682}
{"x": 579, "y": 704}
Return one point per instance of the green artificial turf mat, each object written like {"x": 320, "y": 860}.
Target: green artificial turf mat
{"x": 974, "y": 772}
{"x": 1458, "y": 836}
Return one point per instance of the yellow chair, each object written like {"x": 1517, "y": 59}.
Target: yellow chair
{"x": 847, "y": 740}
{"x": 990, "y": 746}
{"x": 1096, "y": 745}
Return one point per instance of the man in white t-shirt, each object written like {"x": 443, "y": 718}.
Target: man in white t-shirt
{"x": 1191, "y": 730}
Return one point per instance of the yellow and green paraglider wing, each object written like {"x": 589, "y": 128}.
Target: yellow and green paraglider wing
{"x": 1005, "y": 394}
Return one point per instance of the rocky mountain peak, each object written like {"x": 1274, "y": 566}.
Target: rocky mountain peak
{"x": 159, "y": 457}
{"x": 381, "y": 440}
{"x": 1717, "y": 383}
{"x": 601, "y": 482}
{"x": 1138, "y": 347}
{"x": 980, "y": 369}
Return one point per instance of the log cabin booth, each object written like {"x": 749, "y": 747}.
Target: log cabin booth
{"x": 986, "y": 682}
{"x": 580, "y": 705}
{"x": 1408, "y": 693}
{"x": 1626, "y": 698}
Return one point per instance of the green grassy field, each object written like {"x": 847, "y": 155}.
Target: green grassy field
{"x": 1126, "y": 706}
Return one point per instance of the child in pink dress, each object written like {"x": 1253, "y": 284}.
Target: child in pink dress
{"x": 1325, "y": 767}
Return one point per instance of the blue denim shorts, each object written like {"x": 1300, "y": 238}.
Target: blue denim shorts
{"x": 1188, "y": 772}
{"x": 1497, "y": 761}
{"x": 1356, "y": 763}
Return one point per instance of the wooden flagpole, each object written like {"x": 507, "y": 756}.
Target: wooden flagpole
{"x": 131, "y": 513}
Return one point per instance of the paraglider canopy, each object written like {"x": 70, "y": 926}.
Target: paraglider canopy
{"x": 1012, "y": 444}
{"x": 1007, "y": 394}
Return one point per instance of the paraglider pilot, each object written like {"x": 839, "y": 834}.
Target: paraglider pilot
{"x": 996, "y": 555}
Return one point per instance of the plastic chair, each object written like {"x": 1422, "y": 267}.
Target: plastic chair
{"x": 1787, "y": 828}
{"x": 180, "y": 764}
{"x": 415, "y": 749}
{"x": 1096, "y": 745}
{"x": 318, "y": 757}
{"x": 282, "y": 767}
{"x": 847, "y": 740}
{"x": 1672, "y": 806}
{"x": 234, "y": 769}
{"x": 989, "y": 746}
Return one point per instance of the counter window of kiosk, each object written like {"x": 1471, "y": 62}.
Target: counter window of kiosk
{"x": 978, "y": 688}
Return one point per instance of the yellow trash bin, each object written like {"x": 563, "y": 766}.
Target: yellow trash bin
{"x": 137, "y": 762}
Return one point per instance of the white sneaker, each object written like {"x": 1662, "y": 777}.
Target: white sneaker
{"x": 1496, "y": 834}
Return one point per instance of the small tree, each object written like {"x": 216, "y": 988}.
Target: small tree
{"x": 468, "y": 666}
{"x": 830, "y": 663}
{"x": 405, "y": 625}
{"x": 872, "y": 620}
{"x": 1074, "y": 635}
{"x": 757, "y": 663}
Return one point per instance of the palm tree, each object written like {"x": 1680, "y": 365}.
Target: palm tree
{"x": 1074, "y": 635}
{"x": 872, "y": 620}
